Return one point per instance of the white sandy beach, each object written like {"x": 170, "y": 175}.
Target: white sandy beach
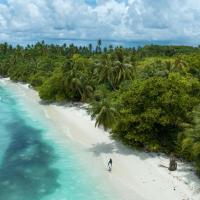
{"x": 135, "y": 175}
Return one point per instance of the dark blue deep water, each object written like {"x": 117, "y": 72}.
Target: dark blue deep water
{"x": 33, "y": 167}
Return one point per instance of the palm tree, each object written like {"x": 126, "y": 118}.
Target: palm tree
{"x": 76, "y": 80}
{"x": 104, "y": 114}
{"x": 122, "y": 68}
{"x": 180, "y": 64}
{"x": 121, "y": 71}
{"x": 75, "y": 85}
{"x": 90, "y": 48}
{"x": 114, "y": 68}
{"x": 73, "y": 81}
{"x": 78, "y": 86}
{"x": 104, "y": 69}
{"x": 169, "y": 66}
{"x": 87, "y": 91}
{"x": 98, "y": 47}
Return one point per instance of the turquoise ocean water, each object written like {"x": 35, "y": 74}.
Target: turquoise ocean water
{"x": 35, "y": 166}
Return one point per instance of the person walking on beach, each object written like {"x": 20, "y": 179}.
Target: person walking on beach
{"x": 110, "y": 165}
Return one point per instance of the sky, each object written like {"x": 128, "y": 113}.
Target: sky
{"x": 36, "y": 20}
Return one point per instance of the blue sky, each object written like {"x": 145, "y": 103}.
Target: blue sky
{"x": 33, "y": 20}
{"x": 91, "y": 2}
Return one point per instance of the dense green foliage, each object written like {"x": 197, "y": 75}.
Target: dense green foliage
{"x": 191, "y": 140}
{"x": 147, "y": 97}
{"x": 153, "y": 110}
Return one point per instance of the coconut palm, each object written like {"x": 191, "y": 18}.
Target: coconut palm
{"x": 122, "y": 67}
{"x": 104, "y": 114}
{"x": 98, "y": 47}
{"x": 180, "y": 64}
{"x": 121, "y": 71}
{"x": 87, "y": 91}
{"x": 76, "y": 80}
{"x": 114, "y": 68}
{"x": 104, "y": 69}
{"x": 169, "y": 66}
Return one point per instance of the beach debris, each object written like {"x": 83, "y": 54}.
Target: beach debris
{"x": 172, "y": 163}
{"x": 174, "y": 188}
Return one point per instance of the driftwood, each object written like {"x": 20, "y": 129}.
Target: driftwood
{"x": 172, "y": 163}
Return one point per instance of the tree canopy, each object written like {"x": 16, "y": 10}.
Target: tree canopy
{"x": 147, "y": 97}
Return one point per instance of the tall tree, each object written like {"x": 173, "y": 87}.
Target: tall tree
{"x": 104, "y": 114}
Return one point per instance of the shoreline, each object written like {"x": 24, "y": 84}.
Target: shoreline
{"x": 135, "y": 175}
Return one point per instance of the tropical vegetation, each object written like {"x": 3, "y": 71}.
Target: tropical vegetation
{"x": 148, "y": 97}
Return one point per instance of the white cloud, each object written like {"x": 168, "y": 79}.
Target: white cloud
{"x": 108, "y": 19}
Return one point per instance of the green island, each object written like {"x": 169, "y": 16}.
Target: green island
{"x": 147, "y": 97}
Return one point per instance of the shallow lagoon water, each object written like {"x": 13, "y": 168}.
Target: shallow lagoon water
{"x": 36, "y": 166}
